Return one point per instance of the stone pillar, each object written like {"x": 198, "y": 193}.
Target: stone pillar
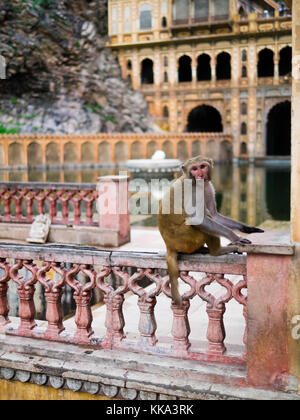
{"x": 268, "y": 335}
{"x": 113, "y": 205}
{"x": 295, "y": 187}
{"x": 294, "y": 287}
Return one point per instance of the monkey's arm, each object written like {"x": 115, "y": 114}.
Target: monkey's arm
{"x": 223, "y": 220}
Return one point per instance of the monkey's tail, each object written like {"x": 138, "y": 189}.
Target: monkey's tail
{"x": 172, "y": 262}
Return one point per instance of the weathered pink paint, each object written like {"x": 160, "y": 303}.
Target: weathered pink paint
{"x": 53, "y": 294}
{"x": 4, "y": 307}
{"x": 26, "y": 291}
{"x": 267, "y": 305}
{"x": 113, "y": 205}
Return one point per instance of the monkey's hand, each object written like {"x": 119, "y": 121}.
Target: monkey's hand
{"x": 251, "y": 229}
{"x": 241, "y": 241}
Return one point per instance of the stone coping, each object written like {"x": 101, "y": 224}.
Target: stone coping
{"x": 125, "y": 375}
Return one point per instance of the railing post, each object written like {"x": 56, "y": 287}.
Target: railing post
{"x": 267, "y": 305}
{"x": 113, "y": 207}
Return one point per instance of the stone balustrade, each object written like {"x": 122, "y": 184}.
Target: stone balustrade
{"x": 21, "y": 200}
{"x": 76, "y": 211}
{"x": 54, "y": 267}
{"x": 134, "y": 361}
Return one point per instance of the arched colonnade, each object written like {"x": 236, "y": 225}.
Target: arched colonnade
{"x": 67, "y": 150}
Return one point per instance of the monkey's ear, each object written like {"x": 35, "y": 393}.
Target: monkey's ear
{"x": 184, "y": 170}
{"x": 211, "y": 162}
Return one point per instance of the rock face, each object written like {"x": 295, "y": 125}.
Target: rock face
{"x": 60, "y": 77}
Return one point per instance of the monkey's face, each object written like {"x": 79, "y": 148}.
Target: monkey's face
{"x": 200, "y": 171}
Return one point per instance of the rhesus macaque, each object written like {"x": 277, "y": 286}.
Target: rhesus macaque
{"x": 189, "y": 233}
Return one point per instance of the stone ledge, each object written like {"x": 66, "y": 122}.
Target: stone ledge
{"x": 60, "y": 234}
{"x": 123, "y": 375}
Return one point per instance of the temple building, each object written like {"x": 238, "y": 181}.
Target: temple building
{"x": 211, "y": 66}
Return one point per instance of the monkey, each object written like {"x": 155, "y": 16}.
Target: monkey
{"x": 183, "y": 233}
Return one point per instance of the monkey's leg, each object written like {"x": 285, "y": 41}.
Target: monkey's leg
{"x": 215, "y": 248}
{"x": 211, "y": 227}
{"x": 172, "y": 262}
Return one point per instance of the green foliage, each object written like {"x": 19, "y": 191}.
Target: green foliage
{"x": 94, "y": 108}
{"x": 4, "y": 130}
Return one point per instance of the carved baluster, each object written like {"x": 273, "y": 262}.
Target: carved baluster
{"x": 181, "y": 326}
{"x": 18, "y": 197}
{"x": 40, "y": 198}
{"x": 29, "y": 196}
{"x": 240, "y": 298}
{"x": 65, "y": 198}
{"x": 77, "y": 212}
{"x": 215, "y": 310}
{"x": 4, "y": 307}
{"x": 82, "y": 296}
{"x": 146, "y": 303}
{"x": 7, "y": 209}
{"x": 52, "y": 197}
{"x": 26, "y": 291}
{"x": 53, "y": 294}
{"x": 114, "y": 300}
{"x": 89, "y": 201}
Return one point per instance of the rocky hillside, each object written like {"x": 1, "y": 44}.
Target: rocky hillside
{"x": 60, "y": 77}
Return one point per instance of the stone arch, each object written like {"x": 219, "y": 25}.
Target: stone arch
{"x": 244, "y": 128}
{"x": 285, "y": 61}
{"x": 165, "y": 111}
{"x": 52, "y": 154}
{"x": 278, "y": 138}
{"x": 226, "y": 152}
{"x": 70, "y": 153}
{"x": 151, "y": 148}
{"x": 147, "y": 72}
{"x": 87, "y": 152}
{"x": 184, "y": 69}
{"x": 136, "y": 150}
{"x": 167, "y": 147}
{"x": 104, "y": 152}
{"x": 34, "y": 154}
{"x": 15, "y": 154}
{"x": 265, "y": 66}
{"x": 203, "y": 67}
{"x": 196, "y": 148}
{"x": 121, "y": 151}
{"x": 244, "y": 148}
{"x": 204, "y": 119}
{"x": 223, "y": 67}
{"x": 182, "y": 151}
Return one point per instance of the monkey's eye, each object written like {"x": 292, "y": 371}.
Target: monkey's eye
{"x": 203, "y": 166}
{"x": 194, "y": 168}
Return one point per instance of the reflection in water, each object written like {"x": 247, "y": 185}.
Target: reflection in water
{"x": 248, "y": 193}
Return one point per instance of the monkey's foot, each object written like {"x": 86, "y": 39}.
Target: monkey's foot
{"x": 241, "y": 241}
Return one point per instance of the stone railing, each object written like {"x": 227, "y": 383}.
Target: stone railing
{"x": 22, "y": 201}
{"x": 55, "y": 267}
{"x": 76, "y": 211}
{"x": 139, "y": 344}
